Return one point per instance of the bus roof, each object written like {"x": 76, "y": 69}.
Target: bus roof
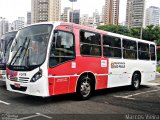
{"x": 94, "y": 30}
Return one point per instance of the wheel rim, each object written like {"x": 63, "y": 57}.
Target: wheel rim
{"x": 85, "y": 88}
{"x": 136, "y": 82}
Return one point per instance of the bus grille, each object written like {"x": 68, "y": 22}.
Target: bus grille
{"x": 23, "y": 79}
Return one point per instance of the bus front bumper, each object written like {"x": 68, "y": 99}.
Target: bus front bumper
{"x": 38, "y": 88}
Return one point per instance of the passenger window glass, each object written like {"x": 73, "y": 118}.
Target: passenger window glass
{"x": 143, "y": 51}
{"x": 152, "y": 52}
{"x": 112, "y": 46}
{"x": 90, "y": 43}
{"x": 62, "y": 48}
{"x": 129, "y": 49}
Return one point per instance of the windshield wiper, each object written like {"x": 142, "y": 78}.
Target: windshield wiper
{"x": 26, "y": 52}
{"x": 22, "y": 47}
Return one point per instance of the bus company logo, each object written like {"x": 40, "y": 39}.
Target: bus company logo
{"x": 117, "y": 64}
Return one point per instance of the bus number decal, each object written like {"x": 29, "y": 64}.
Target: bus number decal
{"x": 22, "y": 74}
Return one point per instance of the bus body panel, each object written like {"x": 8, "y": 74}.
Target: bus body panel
{"x": 64, "y": 77}
{"x": 121, "y": 71}
{"x": 2, "y": 75}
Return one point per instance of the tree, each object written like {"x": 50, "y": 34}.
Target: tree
{"x": 115, "y": 29}
{"x": 135, "y": 32}
{"x": 150, "y": 33}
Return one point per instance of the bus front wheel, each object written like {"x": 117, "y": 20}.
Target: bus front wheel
{"x": 84, "y": 88}
{"x": 136, "y": 79}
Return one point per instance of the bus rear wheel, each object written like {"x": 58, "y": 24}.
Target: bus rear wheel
{"x": 84, "y": 88}
{"x": 136, "y": 80}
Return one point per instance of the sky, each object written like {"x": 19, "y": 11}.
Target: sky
{"x": 12, "y": 9}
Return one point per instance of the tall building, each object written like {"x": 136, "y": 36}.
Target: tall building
{"x": 152, "y": 16}
{"x": 96, "y": 16}
{"x": 66, "y": 14}
{"x": 3, "y": 26}
{"x": 45, "y": 10}
{"x": 111, "y": 12}
{"x": 18, "y": 24}
{"x": 102, "y": 14}
{"x": 28, "y": 18}
{"x": 135, "y": 13}
{"x": 54, "y": 10}
{"x": 76, "y": 16}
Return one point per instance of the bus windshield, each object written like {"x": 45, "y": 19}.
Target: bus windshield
{"x": 29, "y": 48}
{"x": 5, "y": 43}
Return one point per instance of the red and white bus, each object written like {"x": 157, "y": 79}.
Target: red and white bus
{"x": 57, "y": 58}
{"x": 5, "y": 44}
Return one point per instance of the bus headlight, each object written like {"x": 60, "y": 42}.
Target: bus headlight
{"x": 37, "y": 76}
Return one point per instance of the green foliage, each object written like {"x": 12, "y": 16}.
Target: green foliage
{"x": 158, "y": 69}
{"x": 115, "y": 29}
{"x": 135, "y": 32}
{"x": 150, "y": 33}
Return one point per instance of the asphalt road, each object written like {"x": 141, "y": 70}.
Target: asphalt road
{"x": 116, "y": 103}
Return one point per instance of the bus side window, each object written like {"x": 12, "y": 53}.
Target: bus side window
{"x": 112, "y": 46}
{"x": 90, "y": 43}
{"x": 62, "y": 49}
{"x": 152, "y": 52}
{"x": 129, "y": 49}
{"x": 143, "y": 51}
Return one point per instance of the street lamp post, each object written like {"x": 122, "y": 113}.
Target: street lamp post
{"x": 72, "y": 8}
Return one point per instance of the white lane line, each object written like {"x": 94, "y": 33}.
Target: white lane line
{"x": 25, "y": 118}
{"x": 44, "y": 115}
{"x": 152, "y": 84}
{"x": 4, "y": 102}
{"x": 129, "y": 96}
{"x": 33, "y": 116}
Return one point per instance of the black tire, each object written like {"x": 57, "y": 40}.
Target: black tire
{"x": 136, "y": 80}
{"x": 84, "y": 88}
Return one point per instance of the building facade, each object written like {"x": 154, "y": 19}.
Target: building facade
{"x": 84, "y": 20}
{"x": 135, "y": 13}
{"x": 45, "y": 10}
{"x": 28, "y": 18}
{"x": 66, "y": 14}
{"x": 3, "y": 26}
{"x": 102, "y": 14}
{"x": 111, "y": 12}
{"x": 75, "y": 16}
{"x": 54, "y": 10}
{"x": 152, "y": 16}
{"x": 18, "y": 24}
{"x": 96, "y": 16}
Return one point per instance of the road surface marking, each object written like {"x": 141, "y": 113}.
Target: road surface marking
{"x": 152, "y": 84}
{"x": 44, "y": 115}
{"x": 130, "y": 96}
{"x": 4, "y": 102}
{"x": 33, "y": 116}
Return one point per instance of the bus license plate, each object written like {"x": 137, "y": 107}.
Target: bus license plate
{"x": 17, "y": 85}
